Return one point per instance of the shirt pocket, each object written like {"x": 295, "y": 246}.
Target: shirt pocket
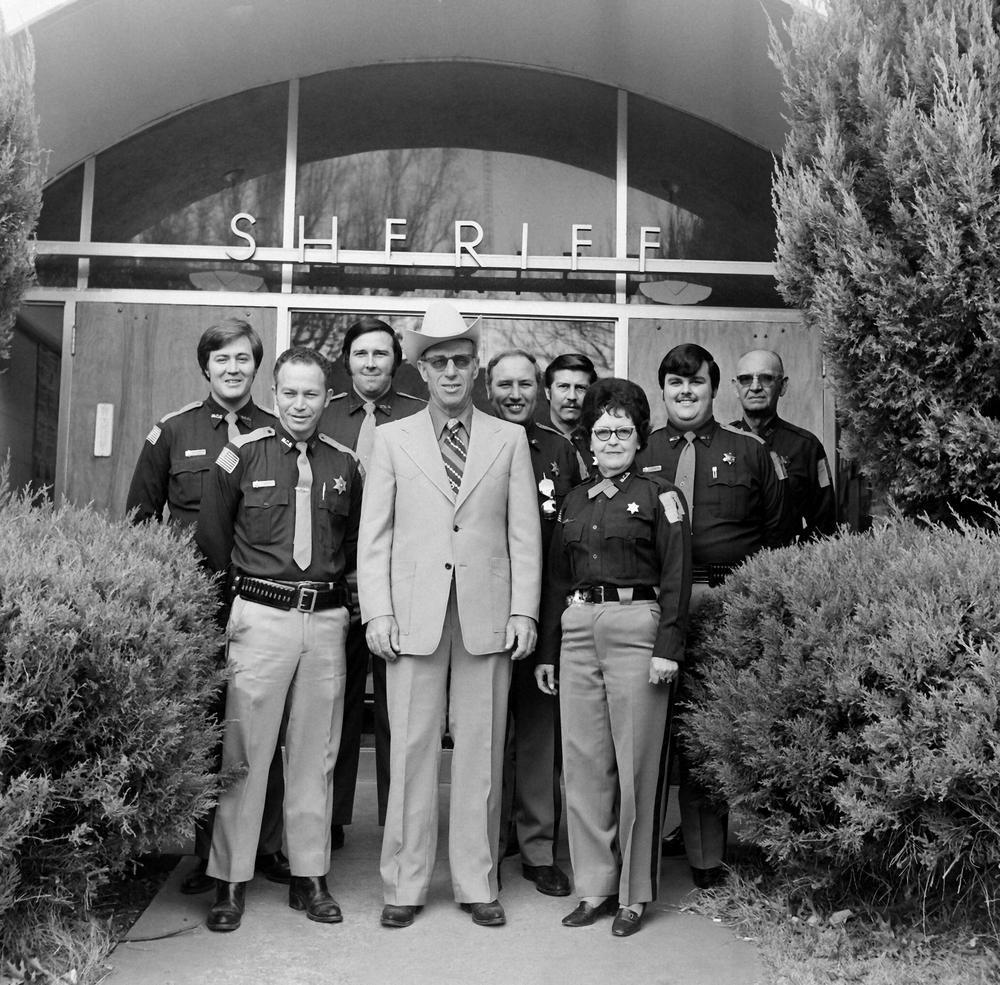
{"x": 332, "y": 518}
{"x": 622, "y": 536}
{"x": 187, "y": 476}
{"x": 729, "y": 495}
{"x": 263, "y": 510}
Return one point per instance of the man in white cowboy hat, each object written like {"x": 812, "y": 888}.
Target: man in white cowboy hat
{"x": 448, "y": 579}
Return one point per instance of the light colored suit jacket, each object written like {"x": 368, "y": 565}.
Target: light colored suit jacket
{"x": 416, "y": 535}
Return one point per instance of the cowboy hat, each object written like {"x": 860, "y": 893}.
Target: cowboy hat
{"x": 441, "y": 323}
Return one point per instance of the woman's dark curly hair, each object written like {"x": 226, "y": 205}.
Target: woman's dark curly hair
{"x": 615, "y": 394}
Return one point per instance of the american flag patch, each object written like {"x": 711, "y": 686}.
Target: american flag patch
{"x": 227, "y": 460}
{"x": 154, "y": 435}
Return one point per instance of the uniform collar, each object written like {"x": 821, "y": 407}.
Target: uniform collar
{"x": 704, "y": 434}
{"x": 217, "y": 413}
{"x": 287, "y": 442}
{"x": 356, "y": 402}
{"x": 764, "y": 431}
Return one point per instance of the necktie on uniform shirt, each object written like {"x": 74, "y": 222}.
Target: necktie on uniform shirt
{"x": 302, "y": 538}
{"x": 366, "y": 436}
{"x": 234, "y": 431}
{"x": 684, "y": 476}
{"x": 453, "y": 453}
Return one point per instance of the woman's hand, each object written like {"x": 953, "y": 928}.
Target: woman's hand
{"x": 662, "y": 671}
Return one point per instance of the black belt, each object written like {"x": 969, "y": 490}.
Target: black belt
{"x": 589, "y": 594}
{"x": 305, "y": 596}
{"x": 712, "y": 575}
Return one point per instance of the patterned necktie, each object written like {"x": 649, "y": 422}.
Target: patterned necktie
{"x": 234, "y": 431}
{"x": 366, "y": 436}
{"x": 302, "y": 540}
{"x": 684, "y": 476}
{"x": 453, "y": 454}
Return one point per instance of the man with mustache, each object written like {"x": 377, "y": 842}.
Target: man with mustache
{"x": 567, "y": 379}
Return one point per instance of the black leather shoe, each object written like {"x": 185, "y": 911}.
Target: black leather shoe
{"x": 309, "y": 893}
{"x": 627, "y": 922}
{"x": 227, "y": 910}
{"x": 585, "y": 914}
{"x": 707, "y": 878}
{"x": 197, "y": 881}
{"x": 672, "y": 845}
{"x": 398, "y": 916}
{"x": 486, "y": 914}
{"x": 548, "y": 879}
{"x": 273, "y": 866}
{"x": 336, "y": 837}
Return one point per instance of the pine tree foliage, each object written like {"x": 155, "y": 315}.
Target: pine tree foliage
{"x": 845, "y": 704}
{"x": 888, "y": 221}
{"x": 21, "y": 176}
{"x": 108, "y": 663}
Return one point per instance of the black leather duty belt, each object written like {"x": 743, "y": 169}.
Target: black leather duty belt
{"x": 712, "y": 575}
{"x": 304, "y": 596}
{"x": 590, "y": 594}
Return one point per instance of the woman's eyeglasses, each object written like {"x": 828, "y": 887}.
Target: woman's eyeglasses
{"x": 604, "y": 434}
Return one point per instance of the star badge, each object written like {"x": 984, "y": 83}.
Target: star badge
{"x": 729, "y": 458}
{"x": 340, "y": 484}
{"x": 554, "y": 469}
{"x": 633, "y": 508}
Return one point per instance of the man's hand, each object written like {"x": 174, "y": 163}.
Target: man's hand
{"x": 382, "y": 636}
{"x": 520, "y": 630}
{"x": 545, "y": 678}
{"x": 661, "y": 670}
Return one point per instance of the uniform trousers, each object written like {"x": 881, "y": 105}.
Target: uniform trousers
{"x": 278, "y": 659}
{"x": 703, "y": 827}
{"x": 532, "y": 802}
{"x": 615, "y": 739}
{"x": 417, "y": 689}
{"x": 345, "y": 776}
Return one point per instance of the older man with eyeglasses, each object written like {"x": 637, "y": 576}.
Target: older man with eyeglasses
{"x": 809, "y": 494}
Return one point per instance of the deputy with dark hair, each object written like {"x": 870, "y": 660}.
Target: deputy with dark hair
{"x": 735, "y": 497}
{"x": 371, "y": 354}
{"x": 809, "y": 496}
{"x": 567, "y": 379}
{"x": 618, "y": 585}
{"x": 280, "y": 514}
{"x": 171, "y": 470}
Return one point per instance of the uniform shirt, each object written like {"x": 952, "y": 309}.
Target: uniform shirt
{"x": 177, "y": 455}
{"x": 809, "y": 494}
{"x": 556, "y": 470}
{"x": 248, "y": 509}
{"x": 345, "y": 414}
{"x": 637, "y": 537}
{"x": 738, "y": 496}
{"x": 585, "y": 457}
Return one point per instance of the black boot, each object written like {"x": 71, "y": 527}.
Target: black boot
{"x": 309, "y": 893}
{"x": 227, "y": 911}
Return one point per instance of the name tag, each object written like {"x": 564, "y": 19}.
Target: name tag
{"x": 652, "y": 468}
{"x": 263, "y": 483}
{"x": 195, "y": 453}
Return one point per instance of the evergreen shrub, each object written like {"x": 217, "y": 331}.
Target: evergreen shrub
{"x": 845, "y": 701}
{"x": 108, "y": 659}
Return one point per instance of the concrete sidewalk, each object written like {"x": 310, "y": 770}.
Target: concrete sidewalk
{"x": 276, "y": 945}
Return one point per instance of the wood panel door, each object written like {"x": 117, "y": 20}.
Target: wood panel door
{"x": 142, "y": 360}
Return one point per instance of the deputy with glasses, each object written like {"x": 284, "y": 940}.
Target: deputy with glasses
{"x": 809, "y": 496}
{"x": 619, "y": 581}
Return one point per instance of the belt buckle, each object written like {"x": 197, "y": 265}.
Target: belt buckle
{"x": 301, "y": 605}
{"x": 579, "y": 596}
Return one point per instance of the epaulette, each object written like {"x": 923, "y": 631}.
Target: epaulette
{"x": 662, "y": 427}
{"x": 183, "y": 410}
{"x": 327, "y": 440}
{"x": 244, "y": 439}
{"x": 338, "y": 396}
{"x": 265, "y": 410}
{"x": 409, "y": 396}
{"x": 741, "y": 432}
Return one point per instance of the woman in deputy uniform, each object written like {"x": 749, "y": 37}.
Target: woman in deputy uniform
{"x": 618, "y": 585}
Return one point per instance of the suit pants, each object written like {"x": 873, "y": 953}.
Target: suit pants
{"x": 279, "y": 658}
{"x": 417, "y": 689}
{"x": 532, "y": 802}
{"x": 615, "y": 739}
{"x": 345, "y": 776}
{"x": 703, "y": 826}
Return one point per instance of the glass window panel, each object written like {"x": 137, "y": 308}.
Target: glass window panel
{"x": 183, "y": 275}
{"x": 62, "y": 201}
{"x": 182, "y": 180}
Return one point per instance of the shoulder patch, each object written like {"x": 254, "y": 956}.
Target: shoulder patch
{"x": 154, "y": 435}
{"x": 742, "y": 433}
{"x": 184, "y": 410}
{"x": 673, "y": 508}
{"x": 327, "y": 440}
{"x": 255, "y": 435}
{"x": 779, "y": 465}
{"x": 228, "y": 460}
{"x": 822, "y": 473}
